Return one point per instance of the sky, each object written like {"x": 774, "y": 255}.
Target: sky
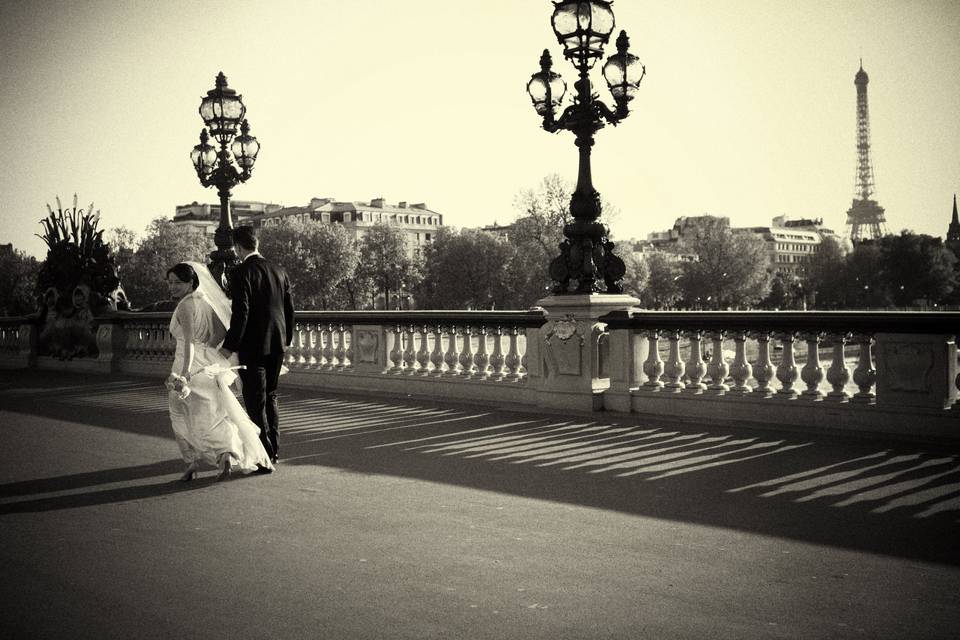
{"x": 748, "y": 109}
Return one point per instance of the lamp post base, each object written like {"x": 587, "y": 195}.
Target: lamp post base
{"x": 586, "y": 263}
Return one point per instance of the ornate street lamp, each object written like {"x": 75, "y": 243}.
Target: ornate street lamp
{"x": 222, "y": 111}
{"x": 583, "y": 27}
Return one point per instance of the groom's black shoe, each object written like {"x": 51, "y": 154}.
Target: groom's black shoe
{"x": 261, "y": 470}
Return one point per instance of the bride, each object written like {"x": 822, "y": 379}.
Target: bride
{"x": 208, "y": 422}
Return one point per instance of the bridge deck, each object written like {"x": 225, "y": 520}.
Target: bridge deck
{"x": 402, "y": 519}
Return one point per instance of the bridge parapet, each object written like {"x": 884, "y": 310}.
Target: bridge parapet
{"x": 892, "y": 372}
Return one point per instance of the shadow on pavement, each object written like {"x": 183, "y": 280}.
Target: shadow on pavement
{"x": 105, "y": 496}
{"x": 880, "y": 496}
{"x": 89, "y": 479}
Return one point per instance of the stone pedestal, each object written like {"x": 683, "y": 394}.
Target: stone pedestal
{"x": 572, "y": 343}
{"x": 20, "y": 352}
{"x": 628, "y": 351}
{"x": 916, "y": 370}
{"x": 111, "y": 339}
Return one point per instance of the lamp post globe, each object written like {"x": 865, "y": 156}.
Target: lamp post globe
{"x": 623, "y": 72}
{"x": 223, "y": 111}
{"x": 546, "y": 88}
{"x": 586, "y": 263}
{"x": 583, "y": 28}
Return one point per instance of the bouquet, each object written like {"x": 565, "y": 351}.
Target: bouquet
{"x": 178, "y": 384}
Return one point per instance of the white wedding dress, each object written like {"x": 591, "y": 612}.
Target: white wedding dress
{"x": 210, "y": 421}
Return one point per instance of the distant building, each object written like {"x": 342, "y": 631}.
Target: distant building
{"x": 790, "y": 243}
{"x": 503, "y": 231}
{"x": 641, "y": 250}
{"x": 685, "y": 227}
{"x": 205, "y": 218}
{"x": 420, "y": 223}
{"x": 6, "y": 249}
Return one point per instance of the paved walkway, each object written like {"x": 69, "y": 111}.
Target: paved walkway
{"x": 402, "y": 519}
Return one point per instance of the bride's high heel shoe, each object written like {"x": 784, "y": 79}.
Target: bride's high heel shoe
{"x": 225, "y": 464}
{"x": 190, "y": 473}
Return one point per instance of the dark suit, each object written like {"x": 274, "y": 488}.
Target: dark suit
{"x": 261, "y": 326}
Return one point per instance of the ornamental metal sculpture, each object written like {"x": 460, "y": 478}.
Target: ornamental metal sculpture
{"x": 586, "y": 263}
{"x": 78, "y": 281}
{"x": 223, "y": 112}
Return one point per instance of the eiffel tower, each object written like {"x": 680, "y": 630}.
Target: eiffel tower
{"x": 865, "y": 216}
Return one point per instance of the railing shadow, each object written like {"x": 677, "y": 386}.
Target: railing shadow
{"x": 878, "y": 496}
{"x": 891, "y": 498}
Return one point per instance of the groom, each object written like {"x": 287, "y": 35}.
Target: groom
{"x": 261, "y": 325}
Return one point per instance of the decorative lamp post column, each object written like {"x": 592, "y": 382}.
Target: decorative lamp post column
{"x": 223, "y": 113}
{"x": 586, "y": 263}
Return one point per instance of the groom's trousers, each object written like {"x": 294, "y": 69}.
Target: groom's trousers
{"x": 260, "y": 397}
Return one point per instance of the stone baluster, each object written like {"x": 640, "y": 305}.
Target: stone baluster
{"x": 149, "y": 343}
{"x": 673, "y": 369}
{"x": 302, "y": 339}
{"x": 318, "y": 345}
{"x": 436, "y": 356}
{"x": 396, "y": 355}
{"x": 409, "y": 355}
{"x": 496, "y": 358}
{"x": 423, "y": 355}
{"x": 134, "y": 347}
{"x": 838, "y": 375}
{"x": 146, "y": 342}
{"x": 512, "y": 359}
{"x": 291, "y": 354}
{"x": 466, "y": 353}
{"x": 787, "y": 371}
{"x": 450, "y": 357}
{"x": 9, "y": 339}
{"x": 170, "y": 344}
{"x": 740, "y": 370}
{"x": 864, "y": 375}
{"x": 764, "y": 371}
{"x": 480, "y": 359}
{"x": 294, "y": 353}
{"x": 653, "y": 365}
{"x": 327, "y": 335}
{"x": 309, "y": 354}
{"x": 696, "y": 367}
{"x": 334, "y": 346}
{"x": 341, "y": 347}
{"x": 160, "y": 334}
{"x": 812, "y": 373}
{"x": 347, "y": 333}
{"x": 718, "y": 368}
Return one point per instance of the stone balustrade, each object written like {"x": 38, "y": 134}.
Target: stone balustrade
{"x": 18, "y": 337}
{"x": 890, "y": 372}
{"x": 854, "y": 370}
{"x": 467, "y": 355}
{"x": 470, "y": 355}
